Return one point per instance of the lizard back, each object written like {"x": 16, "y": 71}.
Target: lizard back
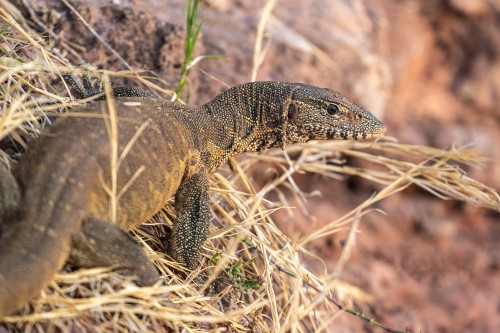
{"x": 62, "y": 180}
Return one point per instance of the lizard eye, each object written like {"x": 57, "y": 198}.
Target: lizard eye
{"x": 332, "y": 109}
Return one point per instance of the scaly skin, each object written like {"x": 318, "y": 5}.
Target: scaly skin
{"x": 62, "y": 209}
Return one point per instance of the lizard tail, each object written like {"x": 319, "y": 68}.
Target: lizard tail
{"x": 34, "y": 247}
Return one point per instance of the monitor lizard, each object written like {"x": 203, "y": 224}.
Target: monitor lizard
{"x": 57, "y": 205}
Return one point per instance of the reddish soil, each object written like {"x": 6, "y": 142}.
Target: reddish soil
{"x": 429, "y": 69}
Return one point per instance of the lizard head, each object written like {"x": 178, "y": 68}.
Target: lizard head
{"x": 314, "y": 113}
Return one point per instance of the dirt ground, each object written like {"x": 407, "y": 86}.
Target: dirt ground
{"x": 429, "y": 69}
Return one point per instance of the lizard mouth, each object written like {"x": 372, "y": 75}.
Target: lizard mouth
{"x": 378, "y": 130}
{"x": 374, "y": 132}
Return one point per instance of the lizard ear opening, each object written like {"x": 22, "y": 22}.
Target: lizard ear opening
{"x": 288, "y": 112}
{"x": 292, "y": 111}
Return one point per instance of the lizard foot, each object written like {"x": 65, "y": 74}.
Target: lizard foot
{"x": 87, "y": 86}
{"x": 105, "y": 244}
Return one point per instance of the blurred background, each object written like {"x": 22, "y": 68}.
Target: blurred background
{"x": 429, "y": 69}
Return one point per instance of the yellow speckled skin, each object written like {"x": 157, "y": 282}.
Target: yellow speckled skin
{"x": 63, "y": 211}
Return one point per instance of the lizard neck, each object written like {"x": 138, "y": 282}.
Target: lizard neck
{"x": 248, "y": 117}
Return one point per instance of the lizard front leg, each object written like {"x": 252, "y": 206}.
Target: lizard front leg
{"x": 193, "y": 217}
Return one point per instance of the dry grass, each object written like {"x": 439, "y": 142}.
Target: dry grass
{"x": 256, "y": 278}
